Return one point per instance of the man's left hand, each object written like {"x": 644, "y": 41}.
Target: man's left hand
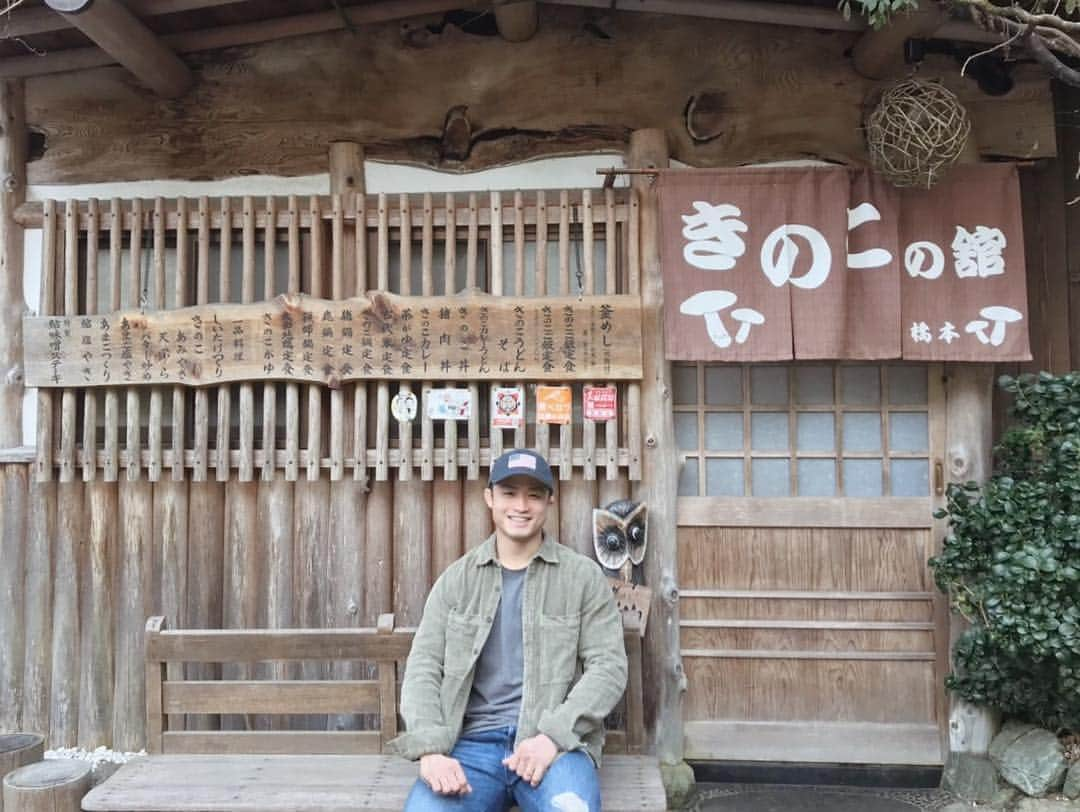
{"x": 532, "y": 758}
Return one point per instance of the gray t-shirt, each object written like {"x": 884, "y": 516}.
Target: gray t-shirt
{"x": 495, "y": 700}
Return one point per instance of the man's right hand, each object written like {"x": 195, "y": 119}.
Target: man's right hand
{"x": 443, "y": 774}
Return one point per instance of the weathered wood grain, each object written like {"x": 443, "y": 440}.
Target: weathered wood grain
{"x": 37, "y": 667}
{"x": 96, "y": 601}
{"x": 67, "y": 576}
{"x": 56, "y": 785}
{"x": 412, "y": 549}
{"x": 99, "y": 126}
{"x": 13, "y": 551}
{"x": 133, "y": 584}
{"x": 13, "y": 139}
{"x": 17, "y": 750}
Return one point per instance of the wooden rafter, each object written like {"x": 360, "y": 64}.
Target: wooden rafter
{"x": 125, "y": 39}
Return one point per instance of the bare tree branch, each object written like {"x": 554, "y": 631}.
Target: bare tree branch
{"x": 1054, "y": 66}
{"x": 1020, "y": 15}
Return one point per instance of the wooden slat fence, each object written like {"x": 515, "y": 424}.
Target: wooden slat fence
{"x": 101, "y": 256}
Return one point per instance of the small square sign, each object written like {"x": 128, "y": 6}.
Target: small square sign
{"x": 507, "y": 407}
{"x": 449, "y": 404}
{"x": 554, "y": 404}
{"x": 600, "y": 403}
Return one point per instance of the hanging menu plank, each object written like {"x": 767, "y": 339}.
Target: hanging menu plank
{"x": 378, "y": 336}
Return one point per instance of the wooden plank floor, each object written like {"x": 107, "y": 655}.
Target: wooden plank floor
{"x": 247, "y": 783}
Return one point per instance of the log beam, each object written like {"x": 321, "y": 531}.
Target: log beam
{"x": 128, "y": 41}
{"x": 879, "y": 53}
{"x": 13, "y": 137}
{"x": 660, "y": 475}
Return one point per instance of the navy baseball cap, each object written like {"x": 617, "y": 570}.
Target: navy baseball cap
{"x": 522, "y": 462}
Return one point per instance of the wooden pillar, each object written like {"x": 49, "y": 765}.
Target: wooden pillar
{"x": 969, "y": 439}
{"x": 658, "y": 485}
{"x": 13, "y": 490}
{"x": 48, "y": 786}
{"x": 17, "y": 750}
{"x": 12, "y": 303}
{"x": 37, "y": 669}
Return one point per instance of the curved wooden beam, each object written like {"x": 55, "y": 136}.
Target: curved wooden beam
{"x": 123, "y": 36}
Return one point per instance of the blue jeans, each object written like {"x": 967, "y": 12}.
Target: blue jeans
{"x": 571, "y": 783}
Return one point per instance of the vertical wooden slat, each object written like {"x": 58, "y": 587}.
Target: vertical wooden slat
{"x": 13, "y": 597}
{"x": 155, "y": 676}
{"x": 133, "y": 417}
{"x": 611, "y": 287}
{"x": 495, "y": 435}
{"x": 337, "y": 281}
{"x": 447, "y": 525}
{"x": 360, "y": 391}
{"x": 111, "y": 445}
{"x": 566, "y": 431}
{"x": 90, "y": 307}
{"x": 472, "y": 241}
{"x": 405, "y": 427}
{"x": 170, "y": 551}
{"x": 427, "y": 282}
{"x": 378, "y": 553}
{"x": 224, "y": 393}
{"x": 44, "y": 459}
{"x": 96, "y": 602}
{"x": 206, "y": 528}
{"x": 243, "y": 567}
{"x": 182, "y": 282}
{"x": 200, "y": 449}
{"x": 37, "y": 666}
{"x": 132, "y": 588}
{"x": 158, "y": 303}
{"x": 475, "y": 516}
{"x": 247, "y": 390}
{"x": 543, "y": 430}
{"x": 64, "y": 711}
{"x": 314, "y": 391}
{"x": 382, "y": 403}
{"x": 70, "y": 289}
{"x": 388, "y": 681}
{"x": 633, "y": 286}
{"x": 450, "y": 427}
{"x": 276, "y": 522}
{"x": 588, "y": 427}
{"x": 521, "y": 432}
{"x": 292, "y": 390}
{"x": 270, "y": 389}
{"x": 14, "y": 137}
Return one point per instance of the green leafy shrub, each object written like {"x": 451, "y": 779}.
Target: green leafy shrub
{"x": 878, "y": 12}
{"x": 1011, "y": 562}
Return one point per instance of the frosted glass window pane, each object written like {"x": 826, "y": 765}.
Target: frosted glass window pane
{"x": 909, "y": 431}
{"x": 862, "y": 432}
{"x": 723, "y": 386}
{"x": 686, "y": 431}
{"x": 860, "y": 386}
{"x": 910, "y": 477}
{"x": 724, "y": 432}
{"x": 817, "y": 478}
{"x": 684, "y": 379}
{"x": 769, "y": 432}
{"x": 816, "y": 432}
{"x": 768, "y": 386}
{"x": 862, "y": 478}
{"x": 688, "y": 477}
{"x": 907, "y": 386}
{"x": 814, "y": 386}
{"x": 771, "y": 478}
{"x": 724, "y": 477}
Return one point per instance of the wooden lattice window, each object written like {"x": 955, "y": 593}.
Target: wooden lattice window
{"x": 811, "y": 430}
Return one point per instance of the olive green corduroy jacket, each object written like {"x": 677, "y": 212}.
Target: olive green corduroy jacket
{"x": 569, "y": 620}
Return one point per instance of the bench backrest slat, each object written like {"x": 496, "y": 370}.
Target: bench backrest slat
{"x": 257, "y": 645}
{"x": 280, "y": 742}
{"x": 270, "y": 696}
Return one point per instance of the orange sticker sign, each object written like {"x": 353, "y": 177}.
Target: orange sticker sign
{"x": 554, "y": 404}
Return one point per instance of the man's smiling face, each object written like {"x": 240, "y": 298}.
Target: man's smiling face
{"x": 519, "y": 506}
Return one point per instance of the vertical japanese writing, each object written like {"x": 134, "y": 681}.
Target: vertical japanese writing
{"x": 425, "y": 337}
{"x": 348, "y": 355}
{"x": 408, "y": 341}
{"x": 606, "y": 314}
{"x": 288, "y": 345}
{"x": 267, "y": 342}
{"x": 547, "y": 341}
{"x": 569, "y": 345}
{"x": 127, "y": 361}
{"x": 106, "y": 350}
{"x": 56, "y": 347}
{"x": 164, "y": 353}
{"x": 485, "y": 330}
{"x": 307, "y": 344}
{"x": 367, "y": 347}
{"x": 86, "y": 349}
{"x": 238, "y": 341}
{"x": 519, "y": 338}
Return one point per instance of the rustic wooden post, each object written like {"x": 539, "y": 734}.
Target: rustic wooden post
{"x": 13, "y": 477}
{"x": 17, "y": 750}
{"x": 969, "y": 439}
{"x": 48, "y": 786}
{"x": 657, "y": 488}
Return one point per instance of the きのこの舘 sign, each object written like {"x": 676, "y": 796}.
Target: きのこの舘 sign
{"x": 830, "y": 263}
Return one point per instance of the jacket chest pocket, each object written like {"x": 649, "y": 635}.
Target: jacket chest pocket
{"x": 462, "y": 634}
{"x": 559, "y": 647}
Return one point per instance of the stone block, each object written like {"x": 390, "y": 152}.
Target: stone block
{"x": 1047, "y": 805}
{"x": 1009, "y": 733}
{"x": 971, "y": 777}
{"x": 1034, "y": 763}
{"x": 1072, "y": 782}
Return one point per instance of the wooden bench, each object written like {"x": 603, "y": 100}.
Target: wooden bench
{"x": 276, "y": 769}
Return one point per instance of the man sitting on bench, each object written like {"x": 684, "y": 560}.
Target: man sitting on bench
{"x": 490, "y": 702}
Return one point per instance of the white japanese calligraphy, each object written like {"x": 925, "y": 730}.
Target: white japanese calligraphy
{"x": 713, "y": 234}
{"x": 920, "y": 332}
{"x": 919, "y": 254}
{"x": 872, "y": 257}
{"x": 778, "y": 265}
{"x": 979, "y": 254}
{"x": 948, "y": 333}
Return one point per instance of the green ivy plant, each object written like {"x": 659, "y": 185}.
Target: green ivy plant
{"x": 1011, "y": 562}
{"x": 878, "y": 12}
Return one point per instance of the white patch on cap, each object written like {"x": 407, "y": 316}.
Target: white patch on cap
{"x": 521, "y": 461}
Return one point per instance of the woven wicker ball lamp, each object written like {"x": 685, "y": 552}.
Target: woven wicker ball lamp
{"x": 916, "y": 132}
